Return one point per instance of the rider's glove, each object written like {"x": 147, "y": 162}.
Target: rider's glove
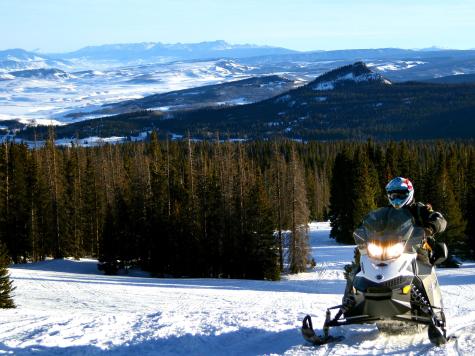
{"x": 430, "y": 241}
{"x": 428, "y": 231}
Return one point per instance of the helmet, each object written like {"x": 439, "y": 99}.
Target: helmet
{"x": 400, "y": 192}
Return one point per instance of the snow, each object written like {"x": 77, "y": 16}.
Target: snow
{"x": 91, "y": 141}
{"x": 82, "y": 91}
{"x": 397, "y": 65}
{"x": 67, "y": 307}
{"x": 283, "y": 98}
{"x": 365, "y": 77}
{"x": 325, "y": 86}
{"x": 6, "y": 76}
{"x": 237, "y": 101}
{"x": 387, "y": 67}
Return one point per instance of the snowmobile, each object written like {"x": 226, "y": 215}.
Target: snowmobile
{"x": 394, "y": 286}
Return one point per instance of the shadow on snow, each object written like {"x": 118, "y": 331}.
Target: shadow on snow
{"x": 245, "y": 341}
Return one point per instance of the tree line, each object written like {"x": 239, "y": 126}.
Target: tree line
{"x": 216, "y": 209}
{"x": 443, "y": 175}
{"x": 174, "y": 208}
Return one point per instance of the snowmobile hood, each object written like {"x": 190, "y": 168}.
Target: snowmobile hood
{"x": 386, "y": 225}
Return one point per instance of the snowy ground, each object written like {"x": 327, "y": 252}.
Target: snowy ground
{"x": 67, "y": 307}
{"x": 47, "y": 101}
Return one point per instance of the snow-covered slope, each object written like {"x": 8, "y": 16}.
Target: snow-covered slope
{"x": 348, "y": 75}
{"x": 19, "y": 59}
{"x": 48, "y": 95}
{"x": 68, "y": 308}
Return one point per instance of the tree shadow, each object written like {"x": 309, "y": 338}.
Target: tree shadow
{"x": 331, "y": 286}
{"x": 245, "y": 341}
{"x": 456, "y": 280}
{"x": 60, "y": 265}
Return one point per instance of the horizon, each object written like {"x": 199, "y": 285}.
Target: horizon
{"x": 433, "y": 47}
{"x": 58, "y": 26}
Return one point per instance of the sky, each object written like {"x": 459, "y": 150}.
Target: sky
{"x": 66, "y": 25}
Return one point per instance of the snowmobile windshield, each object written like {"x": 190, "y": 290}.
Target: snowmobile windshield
{"x": 386, "y": 227}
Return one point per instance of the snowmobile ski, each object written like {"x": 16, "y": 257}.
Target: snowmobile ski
{"x": 309, "y": 334}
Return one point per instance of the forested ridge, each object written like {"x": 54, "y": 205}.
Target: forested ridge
{"x": 217, "y": 209}
{"x": 347, "y": 109}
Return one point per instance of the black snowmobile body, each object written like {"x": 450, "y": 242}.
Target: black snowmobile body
{"x": 395, "y": 286}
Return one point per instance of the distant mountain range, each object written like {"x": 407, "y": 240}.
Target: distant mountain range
{"x": 178, "y": 51}
{"x": 397, "y": 64}
{"x": 350, "y": 102}
{"x": 134, "y": 53}
{"x": 100, "y": 81}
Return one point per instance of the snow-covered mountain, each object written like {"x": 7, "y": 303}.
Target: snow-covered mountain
{"x": 52, "y": 95}
{"x": 350, "y": 102}
{"x": 348, "y": 75}
{"x": 179, "y": 51}
{"x": 48, "y": 88}
{"x": 67, "y": 307}
{"x": 19, "y": 59}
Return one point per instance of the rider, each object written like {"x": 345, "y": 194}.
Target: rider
{"x": 400, "y": 192}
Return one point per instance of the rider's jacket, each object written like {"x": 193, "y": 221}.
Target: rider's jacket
{"x": 427, "y": 218}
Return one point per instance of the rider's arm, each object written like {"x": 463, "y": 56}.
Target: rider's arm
{"x": 433, "y": 220}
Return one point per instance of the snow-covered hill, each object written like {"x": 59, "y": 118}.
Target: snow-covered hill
{"x": 19, "y": 59}
{"x": 68, "y": 308}
{"x": 348, "y": 75}
{"x": 49, "y": 95}
{"x": 45, "y": 88}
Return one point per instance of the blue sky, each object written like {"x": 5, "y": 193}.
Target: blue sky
{"x": 66, "y": 25}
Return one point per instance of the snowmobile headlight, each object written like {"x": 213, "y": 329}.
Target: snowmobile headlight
{"x": 394, "y": 251}
{"x": 374, "y": 250}
{"x": 386, "y": 252}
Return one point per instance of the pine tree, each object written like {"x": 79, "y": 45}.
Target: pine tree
{"x": 299, "y": 216}
{"x": 354, "y": 186}
{"x": 364, "y": 189}
{"x": 443, "y": 199}
{"x": 278, "y": 188}
{"x": 341, "y": 218}
{"x": 6, "y": 288}
{"x": 263, "y": 249}
{"x": 93, "y": 198}
{"x": 470, "y": 203}
{"x": 55, "y": 235}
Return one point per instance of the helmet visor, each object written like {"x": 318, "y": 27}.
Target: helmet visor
{"x": 398, "y": 195}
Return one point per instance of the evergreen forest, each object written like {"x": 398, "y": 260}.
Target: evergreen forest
{"x": 217, "y": 209}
